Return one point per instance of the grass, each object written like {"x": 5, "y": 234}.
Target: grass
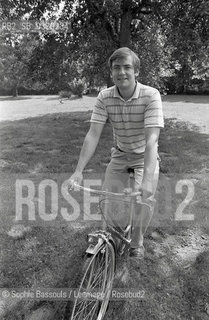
{"x": 50, "y": 254}
{"x": 189, "y": 149}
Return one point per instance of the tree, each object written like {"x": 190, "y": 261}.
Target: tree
{"x": 110, "y": 19}
{"x": 187, "y": 38}
{"x": 102, "y": 26}
{"x": 15, "y": 56}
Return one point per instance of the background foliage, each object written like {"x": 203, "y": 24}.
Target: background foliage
{"x": 170, "y": 36}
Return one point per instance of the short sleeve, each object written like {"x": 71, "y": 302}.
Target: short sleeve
{"x": 99, "y": 113}
{"x": 153, "y": 116}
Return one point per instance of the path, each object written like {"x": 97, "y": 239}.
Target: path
{"x": 33, "y": 106}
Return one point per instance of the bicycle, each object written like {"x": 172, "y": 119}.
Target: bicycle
{"x": 100, "y": 260}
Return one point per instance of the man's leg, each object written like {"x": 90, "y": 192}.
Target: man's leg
{"x": 143, "y": 214}
{"x": 116, "y": 178}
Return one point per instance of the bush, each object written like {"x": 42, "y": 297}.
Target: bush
{"x": 78, "y": 87}
{"x": 65, "y": 94}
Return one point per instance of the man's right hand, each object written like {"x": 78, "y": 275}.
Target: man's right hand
{"x": 76, "y": 178}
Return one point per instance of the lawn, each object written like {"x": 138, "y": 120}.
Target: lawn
{"x": 48, "y": 254}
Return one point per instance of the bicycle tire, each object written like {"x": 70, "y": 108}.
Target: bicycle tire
{"x": 98, "y": 274}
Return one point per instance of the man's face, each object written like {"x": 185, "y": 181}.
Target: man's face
{"x": 123, "y": 73}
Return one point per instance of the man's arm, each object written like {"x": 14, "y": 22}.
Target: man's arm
{"x": 89, "y": 146}
{"x": 150, "y": 159}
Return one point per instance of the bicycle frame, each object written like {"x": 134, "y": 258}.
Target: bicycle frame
{"x": 100, "y": 263}
{"x": 98, "y": 238}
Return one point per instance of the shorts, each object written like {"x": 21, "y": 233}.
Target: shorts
{"x": 117, "y": 176}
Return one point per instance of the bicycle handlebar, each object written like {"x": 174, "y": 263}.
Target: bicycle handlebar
{"x": 107, "y": 193}
{"x": 115, "y": 194}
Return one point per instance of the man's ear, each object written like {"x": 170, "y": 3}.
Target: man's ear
{"x": 136, "y": 73}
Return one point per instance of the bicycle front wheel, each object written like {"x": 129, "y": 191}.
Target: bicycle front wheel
{"x": 98, "y": 274}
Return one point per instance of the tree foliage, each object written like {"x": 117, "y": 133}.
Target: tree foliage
{"x": 187, "y": 37}
{"x": 14, "y": 62}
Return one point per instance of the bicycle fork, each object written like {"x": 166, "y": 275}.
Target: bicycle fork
{"x": 97, "y": 239}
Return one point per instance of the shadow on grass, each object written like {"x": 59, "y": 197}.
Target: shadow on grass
{"x": 181, "y": 147}
{"x": 16, "y": 98}
{"x": 186, "y": 98}
{"x": 52, "y": 142}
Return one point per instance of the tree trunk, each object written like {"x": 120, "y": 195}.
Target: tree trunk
{"x": 15, "y": 90}
{"x": 125, "y": 29}
{"x": 109, "y": 81}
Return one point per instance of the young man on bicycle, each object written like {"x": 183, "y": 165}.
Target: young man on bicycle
{"x": 135, "y": 113}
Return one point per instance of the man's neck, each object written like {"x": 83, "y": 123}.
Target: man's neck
{"x": 127, "y": 93}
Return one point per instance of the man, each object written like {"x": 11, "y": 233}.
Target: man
{"x": 135, "y": 113}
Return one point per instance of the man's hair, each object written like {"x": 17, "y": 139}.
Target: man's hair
{"x": 122, "y": 53}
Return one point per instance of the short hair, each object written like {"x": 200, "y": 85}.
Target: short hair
{"x": 122, "y": 53}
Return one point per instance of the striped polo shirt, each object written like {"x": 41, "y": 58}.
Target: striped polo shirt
{"x": 129, "y": 118}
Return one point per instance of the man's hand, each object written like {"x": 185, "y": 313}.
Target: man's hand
{"x": 76, "y": 178}
{"x": 146, "y": 194}
{"x": 147, "y": 190}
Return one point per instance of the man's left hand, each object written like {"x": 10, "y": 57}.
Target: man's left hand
{"x": 147, "y": 190}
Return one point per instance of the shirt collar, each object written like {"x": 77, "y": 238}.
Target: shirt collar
{"x": 134, "y": 96}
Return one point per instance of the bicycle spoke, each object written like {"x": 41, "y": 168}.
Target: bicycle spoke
{"x": 98, "y": 278}
{"x": 99, "y": 269}
{"x": 91, "y": 311}
{"x": 85, "y": 307}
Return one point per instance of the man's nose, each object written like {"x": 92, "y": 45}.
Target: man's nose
{"x": 121, "y": 70}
